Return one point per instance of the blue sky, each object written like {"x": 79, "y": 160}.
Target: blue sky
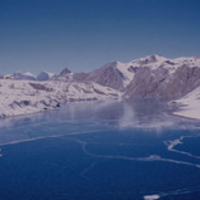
{"x": 83, "y": 35}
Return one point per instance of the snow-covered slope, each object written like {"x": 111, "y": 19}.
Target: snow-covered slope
{"x": 22, "y": 97}
{"x": 127, "y": 70}
{"x": 189, "y": 105}
{"x": 20, "y": 76}
{"x": 43, "y": 76}
{"x": 116, "y": 75}
{"x": 156, "y": 61}
{"x": 152, "y": 76}
{"x": 65, "y": 75}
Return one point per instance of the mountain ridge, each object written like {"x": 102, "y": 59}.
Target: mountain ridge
{"x": 153, "y": 76}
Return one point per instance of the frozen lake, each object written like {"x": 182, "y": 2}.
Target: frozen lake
{"x": 101, "y": 151}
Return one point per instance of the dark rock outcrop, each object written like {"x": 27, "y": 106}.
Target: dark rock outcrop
{"x": 160, "y": 83}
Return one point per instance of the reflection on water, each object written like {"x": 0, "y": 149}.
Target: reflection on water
{"x": 100, "y": 150}
{"x": 146, "y": 114}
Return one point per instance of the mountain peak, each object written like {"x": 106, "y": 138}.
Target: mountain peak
{"x": 152, "y": 58}
{"x": 115, "y": 63}
{"x": 149, "y": 59}
{"x": 65, "y": 71}
{"x": 21, "y": 76}
{"x": 29, "y": 74}
{"x": 44, "y": 76}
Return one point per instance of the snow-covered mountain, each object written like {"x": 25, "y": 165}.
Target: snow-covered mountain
{"x": 20, "y": 76}
{"x": 116, "y": 75}
{"x": 23, "y": 97}
{"x": 44, "y": 76}
{"x": 160, "y": 77}
{"x": 65, "y": 75}
{"x": 149, "y": 77}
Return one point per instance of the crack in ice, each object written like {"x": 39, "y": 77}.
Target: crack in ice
{"x": 145, "y": 159}
{"x": 172, "y": 144}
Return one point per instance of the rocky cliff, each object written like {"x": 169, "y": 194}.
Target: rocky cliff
{"x": 166, "y": 79}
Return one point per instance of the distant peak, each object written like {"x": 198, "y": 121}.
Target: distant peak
{"x": 18, "y": 73}
{"x": 156, "y": 56}
{"x": 44, "y": 76}
{"x": 150, "y": 59}
{"x": 29, "y": 74}
{"x": 65, "y": 71}
{"x": 115, "y": 63}
{"x": 153, "y": 58}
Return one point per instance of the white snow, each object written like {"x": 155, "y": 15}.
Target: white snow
{"x": 20, "y": 76}
{"x": 7, "y": 76}
{"x": 20, "y": 97}
{"x": 29, "y": 74}
{"x": 23, "y": 97}
{"x": 152, "y": 61}
{"x": 189, "y": 105}
{"x": 124, "y": 69}
{"x": 67, "y": 77}
{"x": 50, "y": 74}
{"x": 156, "y": 61}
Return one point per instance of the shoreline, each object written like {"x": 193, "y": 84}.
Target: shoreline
{"x": 185, "y": 117}
{"x": 173, "y": 112}
{"x": 57, "y": 108}
{"x": 181, "y": 116}
{"x": 176, "y": 111}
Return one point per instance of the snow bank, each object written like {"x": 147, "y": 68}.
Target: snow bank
{"x": 24, "y": 97}
{"x": 189, "y": 105}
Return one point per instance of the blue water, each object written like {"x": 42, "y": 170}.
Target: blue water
{"x": 100, "y": 151}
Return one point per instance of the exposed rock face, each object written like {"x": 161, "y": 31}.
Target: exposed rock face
{"x": 65, "y": 75}
{"x": 108, "y": 75}
{"x": 115, "y": 75}
{"x": 65, "y": 71}
{"x": 146, "y": 83}
{"x": 185, "y": 80}
{"x": 149, "y": 77}
{"x": 149, "y": 59}
{"x": 152, "y": 76}
{"x": 162, "y": 83}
